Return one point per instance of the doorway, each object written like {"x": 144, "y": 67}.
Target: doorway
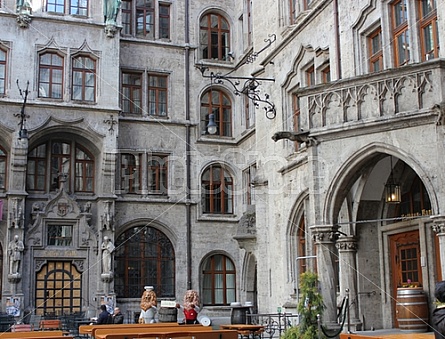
{"x": 405, "y": 263}
{"x": 58, "y": 289}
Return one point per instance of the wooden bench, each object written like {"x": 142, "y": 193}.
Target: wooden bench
{"x": 32, "y": 335}
{"x": 22, "y": 328}
{"x": 50, "y": 325}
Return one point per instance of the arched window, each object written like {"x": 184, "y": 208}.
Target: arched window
{"x": 216, "y": 102}
{"x": 50, "y": 76}
{"x": 217, "y": 190}
{"x": 65, "y": 158}
{"x": 144, "y": 256}
{"x": 214, "y": 37}
{"x": 219, "y": 281}
{"x": 3, "y": 160}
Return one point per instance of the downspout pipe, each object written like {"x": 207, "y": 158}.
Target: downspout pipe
{"x": 187, "y": 144}
{"x": 337, "y": 39}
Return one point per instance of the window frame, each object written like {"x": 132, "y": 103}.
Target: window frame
{"x": 52, "y": 68}
{"x": 213, "y": 274}
{"x": 3, "y": 70}
{"x": 130, "y": 176}
{"x": 58, "y": 236}
{"x": 157, "y": 92}
{"x": 217, "y": 190}
{"x": 134, "y": 108}
{"x": 144, "y": 255}
{"x": 84, "y": 71}
{"x": 427, "y": 20}
{"x": 3, "y": 168}
{"x": 249, "y": 190}
{"x": 400, "y": 30}
{"x": 225, "y": 125}
{"x": 45, "y": 178}
{"x": 67, "y": 7}
{"x": 218, "y": 51}
{"x": 375, "y": 56}
{"x": 159, "y": 172}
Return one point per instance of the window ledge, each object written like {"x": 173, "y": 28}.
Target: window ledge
{"x": 218, "y": 217}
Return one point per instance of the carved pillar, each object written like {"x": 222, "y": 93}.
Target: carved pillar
{"x": 347, "y": 249}
{"x": 439, "y": 228}
{"x": 324, "y": 238}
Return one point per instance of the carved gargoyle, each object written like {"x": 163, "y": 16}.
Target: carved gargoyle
{"x": 300, "y": 137}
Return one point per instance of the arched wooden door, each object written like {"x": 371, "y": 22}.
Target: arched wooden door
{"x": 405, "y": 263}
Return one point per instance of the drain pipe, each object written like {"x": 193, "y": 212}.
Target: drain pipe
{"x": 337, "y": 39}
{"x": 187, "y": 145}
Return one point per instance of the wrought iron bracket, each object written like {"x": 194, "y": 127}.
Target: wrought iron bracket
{"x": 242, "y": 85}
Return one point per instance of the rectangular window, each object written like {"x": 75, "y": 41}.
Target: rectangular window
{"x": 248, "y": 176}
{"x": 130, "y": 173}
{"x": 60, "y": 235}
{"x": 55, "y": 6}
{"x": 2, "y": 71}
{"x": 76, "y": 7}
{"x": 401, "y": 34}
{"x": 429, "y": 35}
{"x": 375, "y": 51}
{"x": 292, "y": 11}
{"x": 127, "y": 17}
{"x": 79, "y": 7}
{"x": 164, "y": 21}
{"x": 326, "y": 74}
{"x": 132, "y": 93}
{"x": 296, "y": 117}
{"x": 84, "y": 79}
{"x": 249, "y": 111}
{"x": 157, "y": 170}
{"x": 310, "y": 76}
{"x": 157, "y": 95}
{"x": 36, "y": 169}
{"x": 145, "y": 18}
{"x": 3, "y": 160}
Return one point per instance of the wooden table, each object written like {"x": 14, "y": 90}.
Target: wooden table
{"x": 245, "y": 330}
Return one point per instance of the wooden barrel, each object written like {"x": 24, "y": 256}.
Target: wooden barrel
{"x": 412, "y": 309}
{"x": 168, "y": 315}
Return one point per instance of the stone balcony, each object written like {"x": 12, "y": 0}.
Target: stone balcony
{"x": 388, "y": 100}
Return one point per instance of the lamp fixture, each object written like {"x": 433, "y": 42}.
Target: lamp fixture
{"x": 23, "y": 132}
{"x": 392, "y": 189}
{"x": 211, "y": 126}
{"x": 245, "y": 85}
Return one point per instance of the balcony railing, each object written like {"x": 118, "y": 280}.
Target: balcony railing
{"x": 409, "y": 92}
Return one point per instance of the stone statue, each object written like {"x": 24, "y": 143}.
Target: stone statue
{"x": 148, "y": 306}
{"x": 15, "y": 250}
{"x": 107, "y": 249}
{"x": 22, "y": 5}
{"x": 111, "y": 9}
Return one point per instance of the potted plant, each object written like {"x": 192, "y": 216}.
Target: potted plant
{"x": 309, "y": 307}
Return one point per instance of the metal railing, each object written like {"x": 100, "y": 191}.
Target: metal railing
{"x": 274, "y": 323}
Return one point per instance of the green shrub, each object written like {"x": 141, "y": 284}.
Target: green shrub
{"x": 309, "y": 306}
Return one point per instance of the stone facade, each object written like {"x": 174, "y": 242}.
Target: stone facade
{"x": 308, "y": 185}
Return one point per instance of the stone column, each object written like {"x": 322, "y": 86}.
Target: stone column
{"x": 347, "y": 249}
{"x": 439, "y": 228}
{"x": 324, "y": 237}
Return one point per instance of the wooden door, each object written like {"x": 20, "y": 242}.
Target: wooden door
{"x": 58, "y": 289}
{"x": 405, "y": 263}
